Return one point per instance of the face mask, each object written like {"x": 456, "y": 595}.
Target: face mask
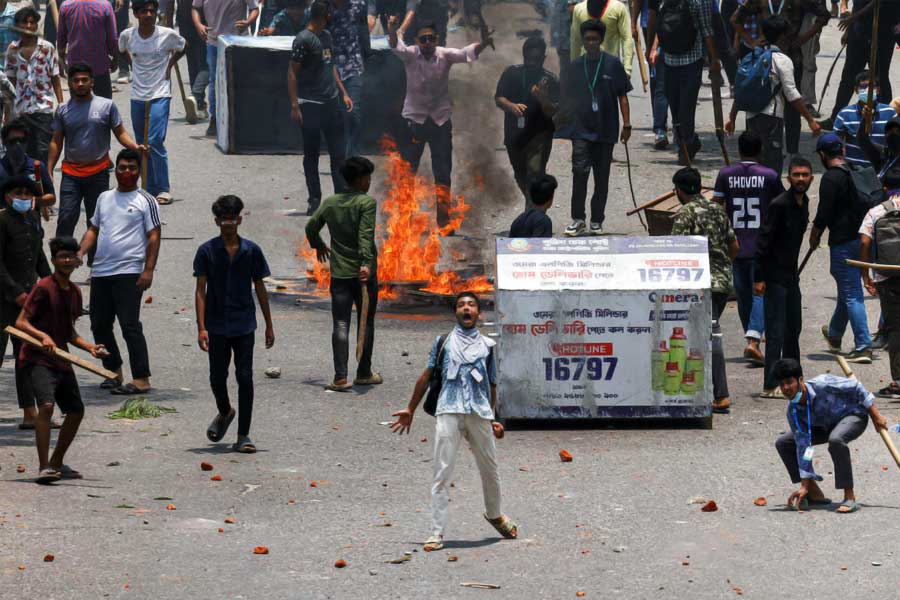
{"x": 797, "y": 396}
{"x": 127, "y": 179}
{"x": 21, "y": 205}
{"x": 864, "y": 96}
{"x": 15, "y": 152}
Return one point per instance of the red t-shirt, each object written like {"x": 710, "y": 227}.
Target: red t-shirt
{"x": 53, "y": 310}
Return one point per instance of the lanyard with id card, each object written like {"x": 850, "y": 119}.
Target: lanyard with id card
{"x": 808, "y": 453}
{"x": 595, "y": 106}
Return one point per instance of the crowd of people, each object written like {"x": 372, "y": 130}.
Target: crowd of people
{"x": 754, "y": 224}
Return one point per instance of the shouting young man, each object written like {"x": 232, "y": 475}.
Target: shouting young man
{"x": 463, "y": 364}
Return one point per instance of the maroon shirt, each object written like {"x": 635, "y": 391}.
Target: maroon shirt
{"x": 52, "y": 310}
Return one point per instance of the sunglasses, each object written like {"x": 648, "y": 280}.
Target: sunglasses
{"x": 427, "y": 38}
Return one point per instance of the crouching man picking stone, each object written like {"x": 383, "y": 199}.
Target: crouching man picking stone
{"x": 824, "y": 409}
{"x": 462, "y": 365}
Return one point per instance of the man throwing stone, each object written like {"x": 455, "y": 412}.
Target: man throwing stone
{"x": 463, "y": 364}
{"x": 825, "y": 409}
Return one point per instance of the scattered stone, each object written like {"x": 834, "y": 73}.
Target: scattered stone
{"x": 49, "y": 558}
{"x": 148, "y": 300}
{"x": 261, "y": 550}
{"x": 340, "y": 563}
{"x": 205, "y": 466}
{"x": 697, "y": 500}
{"x": 710, "y": 506}
{"x": 452, "y": 558}
{"x": 20, "y": 469}
{"x": 875, "y": 563}
{"x": 760, "y": 501}
{"x": 273, "y": 372}
{"x": 404, "y": 353}
{"x": 114, "y": 463}
{"x": 373, "y": 572}
{"x": 618, "y": 549}
{"x": 565, "y": 456}
{"x": 216, "y": 478}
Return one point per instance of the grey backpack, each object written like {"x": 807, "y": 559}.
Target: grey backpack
{"x": 887, "y": 238}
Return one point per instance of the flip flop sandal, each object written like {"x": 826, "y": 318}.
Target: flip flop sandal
{"x": 129, "y": 389}
{"x": 164, "y": 199}
{"x": 110, "y": 384}
{"x": 339, "y": 387}
{"x": 219, "y": 426}
{"x": 851, "y": 505}
{"x": 807, "y": 502}
{"x": 504, "y": 526}
{"x": 30, "y": 426}
{"x": 48, "y": 476}
{"x": 67, "y": 472}
{"x": 433, "y": 543}
{"x": 244, "y": 445}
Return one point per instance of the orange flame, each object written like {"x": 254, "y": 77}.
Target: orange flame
{"x": 410, "y": 238}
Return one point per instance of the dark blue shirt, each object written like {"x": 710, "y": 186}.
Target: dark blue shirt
{"x": 6, "y": 171}
{"x": 230, "y": 310}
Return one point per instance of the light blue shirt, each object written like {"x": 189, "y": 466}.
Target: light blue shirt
{"x": 7, "y": 34}
{"x": 465, "y": 394}
{"x": 830, "y": 398}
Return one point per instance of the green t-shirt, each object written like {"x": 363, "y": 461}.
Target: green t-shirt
{"x": 351, "y": 224}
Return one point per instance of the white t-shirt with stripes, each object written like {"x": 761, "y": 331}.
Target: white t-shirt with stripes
{"x": 123, "y": 220}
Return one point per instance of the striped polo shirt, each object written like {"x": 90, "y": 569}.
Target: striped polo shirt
{"x": 847, "y": 124}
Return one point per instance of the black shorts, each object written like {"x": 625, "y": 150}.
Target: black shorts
{"x": 51, "y": 386}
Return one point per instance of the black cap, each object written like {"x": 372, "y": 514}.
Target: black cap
{"x": 18, "y": 181}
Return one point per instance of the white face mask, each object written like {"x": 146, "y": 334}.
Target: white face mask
{"x": 797, "y": 396}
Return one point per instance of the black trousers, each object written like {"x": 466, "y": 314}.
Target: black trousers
{"x": 319, "y": 119}
{"x": 122, "y": 16}
{"x": 848, "y": 429}
{"x": 856, "y": 58}
{"x": 119, "y": 297}
{"x": 771, "y": 130}
{"x": 682, "y": 89}
{"x": 440, "y": 139}
{"x": 221, "y": 349}
{"x": 9, "y": 312}
{"x": 720, "y": 376}
{"x": 345, "y": 293}
{"x": 784, "y": 321}
{"x": 198, "y": 68}
{"x": 586, "y": 157}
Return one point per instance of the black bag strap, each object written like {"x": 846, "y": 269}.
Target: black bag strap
{"x": 439, "y": 360}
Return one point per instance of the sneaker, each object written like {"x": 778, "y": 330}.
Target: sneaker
{"x": 827, "y": 124}
{"x": 123, "y": 79}
{"x": 211, "y": 130}
{"x": 892, "y": 391}
{"x": 312, "y": 207}
{"x": 596, "y": 228}
{"x": 202, "y": 114}
{"x": 862, "y": 357}
{"x": 774, "y": 393}
{"x": 694, "y": 148}
{"x": 834, "y": 346}
{"x": 662, "y": 140}
{"x": 373, "y": 379}
{"x": 575, "y": 228}
{"x": 879, "y": 341}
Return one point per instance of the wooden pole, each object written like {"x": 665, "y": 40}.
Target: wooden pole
{"x": 363, "y": 319}
{"x": 867, "y": 265}
{"x": 640, "y": 58}
{"x": 146, "y": 155}
{"x": 54, "y": 11}
{"x": 62, "y": 354}
{"x": 657, "y": 200}
{"x": 845, "y": 367}
{"x": 873, "y": 64}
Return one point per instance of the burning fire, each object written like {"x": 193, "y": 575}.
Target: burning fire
{"x": 410, "y": 239}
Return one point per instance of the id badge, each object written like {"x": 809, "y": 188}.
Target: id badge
{"x": 808, "y": 453}
{"x": 477, "y": 376}
{"x": 520, "y": 123}
{"x": 595, "y": 107}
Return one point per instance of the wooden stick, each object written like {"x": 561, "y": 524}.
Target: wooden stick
{"x": 845, "y": 367}
{"x": 363, "y": 319}
{"x": 657, "y": 200}
{"x": 873, "y": 64}
{"x": 640, "y": 58}
{"x": 483, "y": 586}
{"x": 146, "y": 154}
{"x": 54, "y": 11}
{"x": 806, "y": 259}
{"x": 867, "y": 265}
{"x": 62, "y": 354}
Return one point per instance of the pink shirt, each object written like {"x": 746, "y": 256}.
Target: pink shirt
{"x": 427, "y": 92}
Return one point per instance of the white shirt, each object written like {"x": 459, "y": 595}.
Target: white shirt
{"x": 149, "y": 58}
{"x": 867, "y": 228}
{"x": 123, "y": 219}
{"x": 782, "y": 73}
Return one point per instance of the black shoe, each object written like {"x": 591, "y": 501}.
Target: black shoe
{"x": 879, "y": 341}
{"x": 827, "y": 124}
{"x": 211, "y": 130}
{"x": 695, "y": 147}
{"x": 312, "y": 207}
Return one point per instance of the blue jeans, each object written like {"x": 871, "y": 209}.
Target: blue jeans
{"x": 850, "y": 307}
{"x": 353, "y": 119}
{"x": 751, "y": 308}
{"x": 158, "y": 165}
{"x": 212, "y": 57}
{"x": 784, "y": 321}
{"x": 658, "y": 93}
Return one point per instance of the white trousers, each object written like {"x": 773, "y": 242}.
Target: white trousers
{"x": 449, "y": 430}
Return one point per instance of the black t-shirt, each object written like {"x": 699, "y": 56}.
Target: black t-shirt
{"x": 515, "y": 85}
{"x": 533, "y": 223}
{"x": 837, "y": 211}
{"x": 579, "y": 120}
{"x": 315, "y": 81}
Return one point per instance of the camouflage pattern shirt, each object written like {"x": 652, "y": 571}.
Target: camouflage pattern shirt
{"x": 704, "y": 217}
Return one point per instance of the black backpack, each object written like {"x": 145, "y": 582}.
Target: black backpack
{"x": 676, "y": 28}
{"x": 436, "y": 383}
{"x": 886, "y": 237}
{"x": 866, "y": 188}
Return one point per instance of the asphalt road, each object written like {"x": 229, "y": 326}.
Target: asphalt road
{"x": 617, "y": 522}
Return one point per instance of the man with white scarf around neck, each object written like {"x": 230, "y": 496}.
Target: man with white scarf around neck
{"x": 465, "y": 409}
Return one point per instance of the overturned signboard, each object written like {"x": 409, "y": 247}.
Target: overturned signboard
{"x": 604, "y": 327}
